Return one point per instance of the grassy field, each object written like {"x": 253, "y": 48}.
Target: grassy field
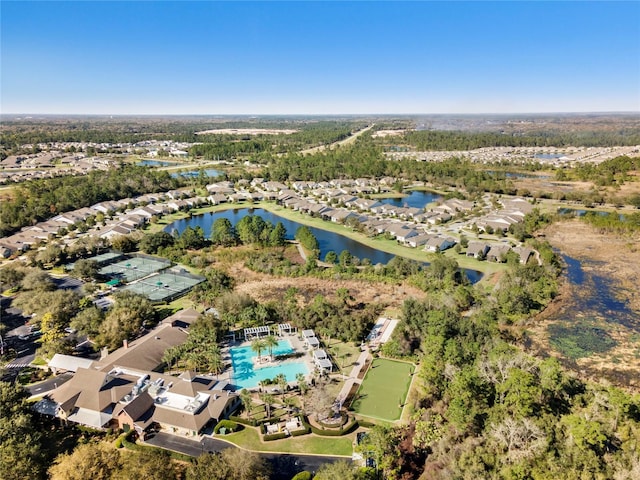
{"x": 248, "y": 438}
{"x": 384, "y": 389}
{"x": 344, "y": 353}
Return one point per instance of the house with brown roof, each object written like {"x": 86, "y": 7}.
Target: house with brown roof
{"x": 122, "y": 390}
{"x": 497, "y": 252}
{"x": 477, "y": 249}
{"x": 135, "y": 399}
{"x": 439, "y": 244}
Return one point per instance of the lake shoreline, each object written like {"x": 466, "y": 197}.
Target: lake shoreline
{"x": 384, "y": 245}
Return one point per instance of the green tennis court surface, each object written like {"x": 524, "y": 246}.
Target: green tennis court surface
{"x": 163, "y": 286}
{"x": 133, "y": 268}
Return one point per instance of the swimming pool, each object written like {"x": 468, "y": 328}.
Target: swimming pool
{"x": 244, "y": 374}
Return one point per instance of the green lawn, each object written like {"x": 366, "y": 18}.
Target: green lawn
{"x": 249, "y": 438}
{"x": 345, "y": 354}
{"x": 384, "y": 389}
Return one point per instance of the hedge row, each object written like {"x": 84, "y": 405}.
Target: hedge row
{"x": 228, "y": 425}
{"x": 331, "y": 433}
{"x": 274, "y": 436}
{"x": 366, "y": 423}
{"x": 243, "y": 421}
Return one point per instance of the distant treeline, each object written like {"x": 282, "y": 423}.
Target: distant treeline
{"x": 39, "y": 200}
{"x": 364, "y": 159}
{"x": 442, "y": 140}
{"x": 15, "y": 134}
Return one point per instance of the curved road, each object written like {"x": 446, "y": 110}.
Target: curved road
{"x": 284, "y": 465}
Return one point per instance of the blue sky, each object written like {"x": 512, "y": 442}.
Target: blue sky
{"x": 319, "y": 58}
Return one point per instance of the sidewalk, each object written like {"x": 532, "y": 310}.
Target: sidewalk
{"x": 353, "y": 379}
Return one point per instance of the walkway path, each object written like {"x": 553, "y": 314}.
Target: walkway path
{"x": 353, "y": 379}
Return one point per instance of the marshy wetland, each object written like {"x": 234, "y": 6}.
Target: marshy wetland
{"x": 594, "y": 324}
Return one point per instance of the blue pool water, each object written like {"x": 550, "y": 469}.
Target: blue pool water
{"x": 245, "y": 376}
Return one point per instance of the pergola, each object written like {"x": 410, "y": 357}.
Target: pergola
{"x": 322, "y": 361}
{"x": 256, "y": 332}
{"x": 308, "y": 333}
{"x": 285, "y": 327}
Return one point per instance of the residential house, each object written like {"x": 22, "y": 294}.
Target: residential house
{"x": 440, "y": 244}
{"x": 477, "y": 250}
{"x": 525, "y": 253}
{"x": 497, "y": 252}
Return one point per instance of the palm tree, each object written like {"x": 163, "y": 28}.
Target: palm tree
{"x": 302, "y": 383}
{"x": 213, "y": 357}
{"x": 268, "y": 399}
{"x": 258, "y": 345}
{"x": 303, "y": 386}
{"x": 271, "y": 342}
{"x": 245, "y": 398}
{"x": 281, "y": 380}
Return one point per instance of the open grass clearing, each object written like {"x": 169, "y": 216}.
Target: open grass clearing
{"x": 249, "y": 438}
{"x": 345, "y": 354}
{"x": 384, "y": 389}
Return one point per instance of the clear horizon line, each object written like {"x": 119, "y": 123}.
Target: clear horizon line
{"x": 566, "y": 112}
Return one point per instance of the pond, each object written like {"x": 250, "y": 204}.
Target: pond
{"x": 517, "y": 175}
{"x": 208, "y": 172}
{"x": 578, "y": 212}
{"x": 327, "y": 240}
{"x": 155, "y": 163}
{"x": 414, "y": 199}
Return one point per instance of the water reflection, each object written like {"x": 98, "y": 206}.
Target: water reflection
{"x": 328, "y": 241}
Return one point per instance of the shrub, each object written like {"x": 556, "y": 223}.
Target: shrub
{"x": 120, "y": 439}
{"x": 244, "y": 421}
{"x": 228, "y": 425}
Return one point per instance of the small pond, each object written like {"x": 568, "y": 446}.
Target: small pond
{"x": 414, "y": 199}
{"x": 155, "y": 163}
{"x": 208, "y": 172}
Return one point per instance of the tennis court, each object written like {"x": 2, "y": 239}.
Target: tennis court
{"x": 106, "y": 257}
{"x": 133, "y": 268}
{"x": 163, "y": 286}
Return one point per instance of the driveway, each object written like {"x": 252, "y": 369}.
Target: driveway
{"x": 190, "y": 447}
{"x": 284, "y": 466}
{"x": 50, "y": 384}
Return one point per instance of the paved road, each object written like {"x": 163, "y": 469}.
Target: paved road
{"x": 49, "y": 384}
{"x": 284, "y": 466}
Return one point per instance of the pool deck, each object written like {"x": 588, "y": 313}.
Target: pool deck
{"x": 296, "y": 343}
